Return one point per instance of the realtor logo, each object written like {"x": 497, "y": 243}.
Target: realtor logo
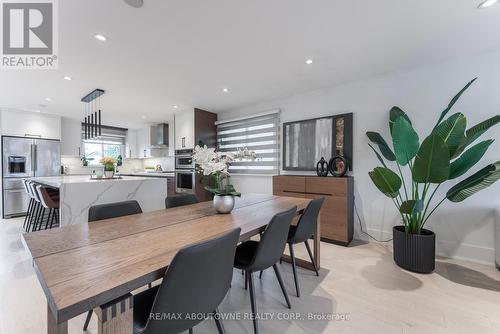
{"x": 29, "y": 39}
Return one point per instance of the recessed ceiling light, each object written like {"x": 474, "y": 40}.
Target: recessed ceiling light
{"x": 37, "y": 110}
{"x": 175, "y": 106}
{"x": 48, "y": 99}
{"x": 225, "y": 90}
{"x": 143, "y": 117}
{"x": 309, "y": 61}
{"x": 487, "y": 3}
{"x": 100, "y": 37}
{"x": 66, "y": 77}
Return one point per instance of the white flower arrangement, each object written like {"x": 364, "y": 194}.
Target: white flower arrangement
{"x": 216, "y": 164}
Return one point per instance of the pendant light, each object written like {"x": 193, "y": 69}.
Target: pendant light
{"x": 92, "y": 114}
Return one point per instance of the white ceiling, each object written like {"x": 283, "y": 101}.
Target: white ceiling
{"x": 184, "y": 52}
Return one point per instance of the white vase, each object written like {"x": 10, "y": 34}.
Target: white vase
{"x": 109, "y": 173}
{"x": 223, "y": 204}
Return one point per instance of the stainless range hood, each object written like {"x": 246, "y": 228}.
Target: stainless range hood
{"x": 158, "y": 136}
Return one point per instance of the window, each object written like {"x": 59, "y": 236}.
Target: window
{"x": 258, "y": 133}
{"x": 111, "y": 143}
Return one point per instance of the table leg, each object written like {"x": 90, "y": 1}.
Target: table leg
{"x": 53, "y": 327}
{"x": 317, "y": 240}
{"x": 116, "y": 317}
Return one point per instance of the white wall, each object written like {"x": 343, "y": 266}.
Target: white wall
{"x": 463, "y": 230}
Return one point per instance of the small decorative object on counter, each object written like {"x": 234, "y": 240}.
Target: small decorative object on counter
{"x": 215, "y": 165}
{"x": 322, "y": 167}
{"x": 109, "y": 166}
{"x": 119, "y": 160}
{"x": 84, "y": 161}
{"x": 337, "y": 166}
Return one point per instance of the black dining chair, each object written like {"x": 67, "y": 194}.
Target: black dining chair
{"x": 195, "y": 282}
{"x": 180, "y": 200}
{"x": 300, "y": 233}
{"x": 107, "y": 211}
{"x": 253, "y": 256}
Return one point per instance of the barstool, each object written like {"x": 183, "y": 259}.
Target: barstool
{"x": 35, "y": 208}
{"x": 49, "y": 201}
{"x": 31, "y": 205}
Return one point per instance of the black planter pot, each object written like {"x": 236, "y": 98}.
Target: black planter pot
{"x": 414, "y": 252}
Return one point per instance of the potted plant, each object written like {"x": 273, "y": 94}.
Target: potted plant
{"x": 445, "y": 154}
{"x": 109, "y": 166}
{"x": 215, "y": 165}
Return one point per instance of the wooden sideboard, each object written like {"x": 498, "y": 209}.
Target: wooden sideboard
{"x": 337, "y": 213}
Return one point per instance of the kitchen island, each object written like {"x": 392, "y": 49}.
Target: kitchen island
{"x": 79, "y": 192}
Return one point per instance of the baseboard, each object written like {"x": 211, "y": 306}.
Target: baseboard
{"x": 450, "y": 249}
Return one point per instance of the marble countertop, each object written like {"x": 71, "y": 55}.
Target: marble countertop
{"x": 57, "y": 181}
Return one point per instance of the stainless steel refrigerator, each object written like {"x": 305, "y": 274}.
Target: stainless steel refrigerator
{"x": 25, "y": 158}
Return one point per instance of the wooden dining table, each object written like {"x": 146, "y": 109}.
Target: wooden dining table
{"x": 95, "y": 266}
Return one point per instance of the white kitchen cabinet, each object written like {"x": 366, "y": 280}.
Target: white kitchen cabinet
{"x": 71, "y": 137}
{"x": 142, "y": 142}
{"x": 131, "y": 151}
{"x": 28, "y": 124}
{"x": 184, "y": 130}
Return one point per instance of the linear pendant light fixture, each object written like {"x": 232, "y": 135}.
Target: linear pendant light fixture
{"x": 92, "y": 115}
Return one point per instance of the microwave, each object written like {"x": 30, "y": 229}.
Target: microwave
{"x": 184, "y": 159}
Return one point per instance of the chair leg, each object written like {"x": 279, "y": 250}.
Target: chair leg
{"x": 41, "y": 219}
{"x": 311, "y": 257}
{"x": 280, "y": 281}
{"x": 48, "y": 218}
{"x": 246, "y": 280}
{"x": 30, "y": 204}
{"x": 53, "y": 218}
{"x": 260, "y": 275}
{"x": 87, "y": 321}
{"x": 35, "y": 216}
{"x": 294, "y": 268}
{"x": 253, "y": 303}
{"x": 218, "y": 322}
{"x": 190, "y": 331}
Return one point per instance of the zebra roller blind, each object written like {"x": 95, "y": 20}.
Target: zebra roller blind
{"x": 260, "y": 134}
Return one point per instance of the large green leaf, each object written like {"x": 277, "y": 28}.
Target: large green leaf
{"x": 386, "y": 181}
{"x": 475, "y": 132}
{"x": 452, "y": 131}
{"x": 394, "y": 114}
{"x": 467, "y": 160}
{"x": 379, "y": 157}
{"x": 376, "y": 138}
{"x": 405, "y": 141}
{"x": 412, "y": 206}
{"x": 432, "y": 163}
{"x": 453, "y": 101}
{"x": 474, "y": 183}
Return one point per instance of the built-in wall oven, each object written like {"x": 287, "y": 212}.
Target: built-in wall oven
{"x": 185, "y": 175}
{"x": 185, "y": 181}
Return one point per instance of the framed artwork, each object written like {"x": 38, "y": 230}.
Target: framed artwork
{"x": 306, "y": 141}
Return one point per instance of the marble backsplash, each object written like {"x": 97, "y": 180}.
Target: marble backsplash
{"x": 73, "y": 165}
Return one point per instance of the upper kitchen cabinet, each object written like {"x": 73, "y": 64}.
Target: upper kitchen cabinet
{"x": 184, "y": 130}
{"x": 27, "y": 124}
{"x": 131, "y": 151}
{"x": 195, "y": 126}
{"x": 71, "y": 137}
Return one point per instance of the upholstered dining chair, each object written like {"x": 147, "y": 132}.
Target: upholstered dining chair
{"x": 107, "y": 211}
{"x": 195, "y": 282}
{"x": 302, "y": 232}
{"x": 180, "y": 200}
{"x": 253, "y": 256}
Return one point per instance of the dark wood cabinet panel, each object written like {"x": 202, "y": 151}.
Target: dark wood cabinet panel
{"x": 337, "y": 211}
